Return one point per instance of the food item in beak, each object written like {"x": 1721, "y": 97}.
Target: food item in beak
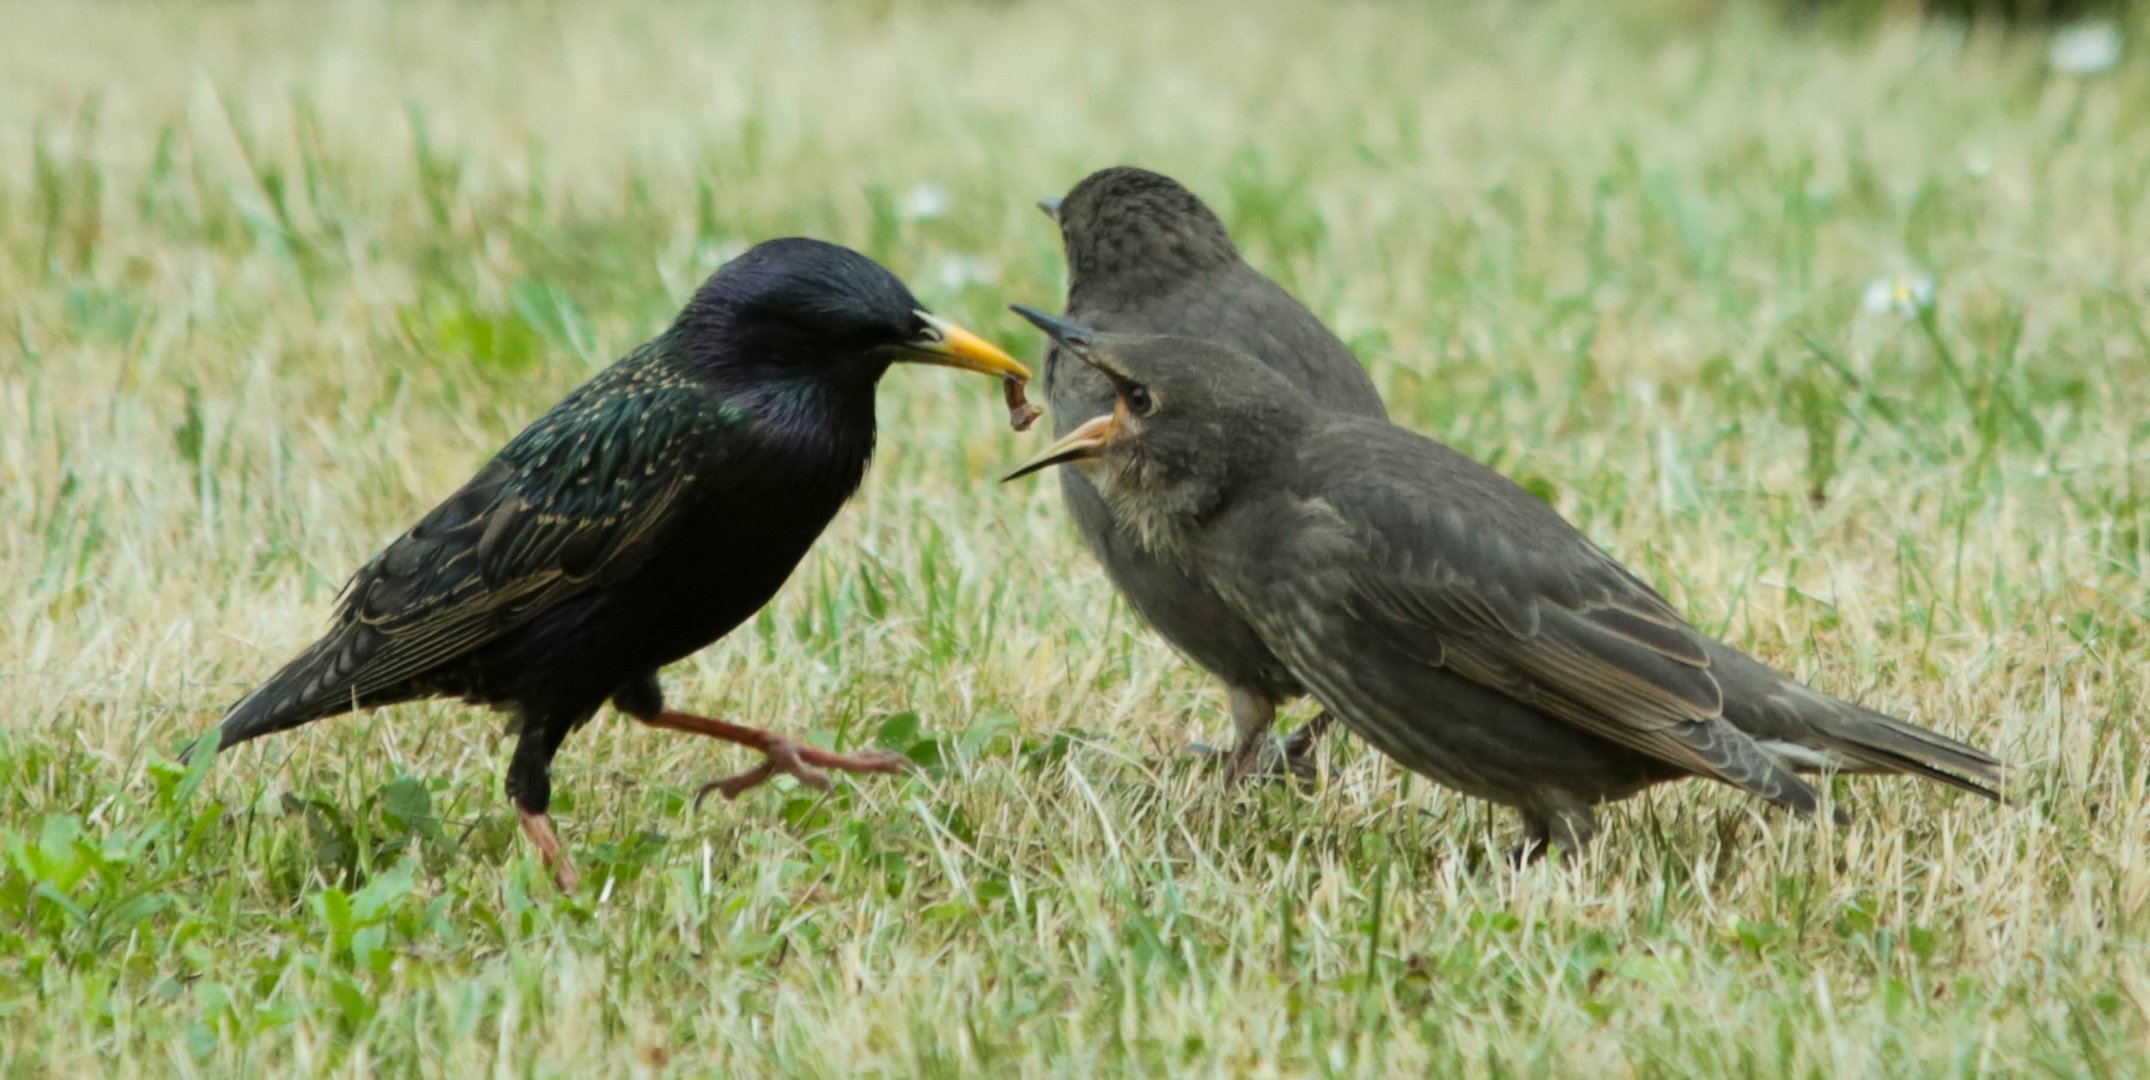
{"x": 1021, "y": 412}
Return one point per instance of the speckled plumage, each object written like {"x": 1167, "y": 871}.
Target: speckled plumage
{"x": 1146, "y": 256}
{"x": 1455, "y": 621}
{"x": 640, "y": 519}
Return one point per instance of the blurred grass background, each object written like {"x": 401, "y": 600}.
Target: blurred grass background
{"x": 1832, "y": 326}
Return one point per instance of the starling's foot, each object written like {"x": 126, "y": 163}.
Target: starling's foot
{"x": 804, "y": 763}
{"x": 1298, "y": 746}
{"x": 538, "y": 827}
{"x": 786, "y": 756}
{"x": 1563, "y": 830}
{"x": 1269, "y": 758}
{"x": 1260, "y": 755}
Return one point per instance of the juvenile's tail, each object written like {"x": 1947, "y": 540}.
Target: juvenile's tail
{"x": 1812, "y": 731}
{"x": 1882, "y": 743}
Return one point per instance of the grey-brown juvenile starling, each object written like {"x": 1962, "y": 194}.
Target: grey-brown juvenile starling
{"x": 1146, "y": 256}
{"x": 642, "y": 518}
{"x": 1454, "y": 620}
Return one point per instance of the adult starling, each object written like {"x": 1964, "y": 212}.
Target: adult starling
{"x": 642, "y": 518}
{"x": 1145, "y": 256}
{"x": 1455, "y": 621}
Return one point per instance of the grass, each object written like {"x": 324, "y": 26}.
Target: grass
{"x": 274, "y": 278}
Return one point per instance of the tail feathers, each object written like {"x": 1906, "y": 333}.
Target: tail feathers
{"x": 316, "y": 685}
{"x": 1886, "y": 744}
{"x": 1812, "y": 731}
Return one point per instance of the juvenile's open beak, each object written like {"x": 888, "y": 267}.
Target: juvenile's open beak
{"x": 1051, "y": 208}
{"x": 1087, "y": 441}
{"x": 949, "y": 345}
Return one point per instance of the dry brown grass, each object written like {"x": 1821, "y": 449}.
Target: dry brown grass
{"x": 255, "y": 325}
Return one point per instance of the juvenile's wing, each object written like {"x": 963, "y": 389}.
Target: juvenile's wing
{"x": 1451, "y": 563}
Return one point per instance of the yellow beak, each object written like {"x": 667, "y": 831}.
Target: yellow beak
{"x": 1087, "y": 441}
{"x": 949, "y": 345}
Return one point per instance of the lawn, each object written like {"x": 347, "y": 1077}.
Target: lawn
{"x": 274, "y": 278}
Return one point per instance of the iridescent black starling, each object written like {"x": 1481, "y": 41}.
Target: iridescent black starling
{"x": 1454, "y": 620}
{"x": 1145, "y": 256}
{"x": 642, "y": 518}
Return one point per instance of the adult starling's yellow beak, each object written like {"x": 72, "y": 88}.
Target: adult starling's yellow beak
{"x": 949, "y": 345}
{"x": 1086, "y": 441}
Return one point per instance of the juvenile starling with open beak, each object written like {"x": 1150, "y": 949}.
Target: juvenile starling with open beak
{"x": 1145, "y": 256}
{"x": 642, "y": 518}
{"x": 1454, "y": 620}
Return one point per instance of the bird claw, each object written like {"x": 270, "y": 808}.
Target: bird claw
{"x": 805, "y": 764}
{"x": 565, "y": 877}
{"x": 1290, "y": 757}
{"x": 538, "y": 827}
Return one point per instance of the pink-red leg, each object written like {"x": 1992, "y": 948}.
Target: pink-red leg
{"x": 538, "y": 827}
{"x": 785, "y": 755}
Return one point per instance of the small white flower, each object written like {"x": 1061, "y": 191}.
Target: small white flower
{"x": 925, "y": 202}
{"x": 2090, "y": 48}
{"x": 955, "y": 272}
{"x": 1899, "y": 294}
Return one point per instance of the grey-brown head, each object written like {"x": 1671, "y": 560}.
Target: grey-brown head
{"x": 1192, "y": 424}
{"x": 1129, "y": 230}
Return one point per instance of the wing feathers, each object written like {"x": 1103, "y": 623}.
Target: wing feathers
{"x": 1543, "y": 616}
{"x": 539, "y": 524}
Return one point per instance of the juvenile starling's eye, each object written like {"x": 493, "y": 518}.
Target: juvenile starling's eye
{"x": 1138, "y": 399}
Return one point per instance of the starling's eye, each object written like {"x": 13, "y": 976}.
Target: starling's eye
{"x": 1138, "y": 400}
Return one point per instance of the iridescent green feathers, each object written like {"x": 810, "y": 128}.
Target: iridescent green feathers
{"x": 579, "y": 499}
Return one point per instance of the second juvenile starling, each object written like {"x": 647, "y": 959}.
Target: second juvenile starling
{"x": 1455, "y": 621}
{"x": 1146, "y": 256}
{"x": 642, "y": 518}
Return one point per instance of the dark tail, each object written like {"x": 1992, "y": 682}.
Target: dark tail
{"x": 1813, "y": 731}
{"x": 1885, "y": 744}
{"x": 312, "y": 687}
